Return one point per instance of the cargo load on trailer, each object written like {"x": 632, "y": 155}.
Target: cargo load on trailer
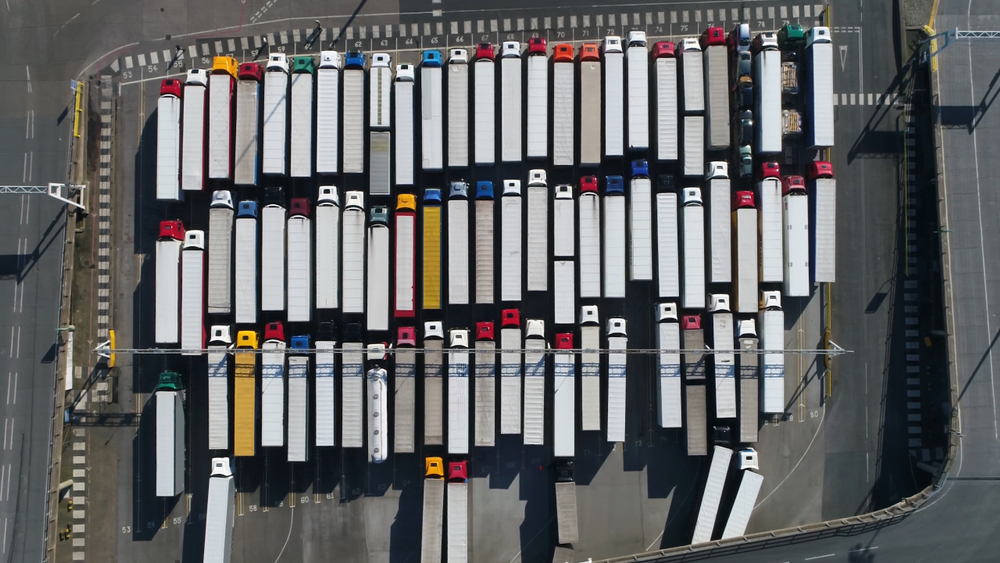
{"x": 245, "y": 394}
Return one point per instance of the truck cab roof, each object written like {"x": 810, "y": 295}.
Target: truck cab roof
{"x": 250, "y": 71}
{"x": 406, "y": 202}
{"x": 665, "y": 183}
{"x": 640, "y": 168}
{"x": 406, "y": 336}
{"x": 170, "y": 87}
{"x": 512, "y": 187}
{"x": 718, "y": 303}
{"x": 818, "y": 35}
{"x": 352, "y": 332}
{"x": 484, "y": 51}
{"x": 564, "y": 191}
{"x": 432, "y": 195}
{"x": 691, "y": 196}
{"x": 819, "y": 169}
{"x": 588, "y": 184}
{"x": 794, "y": 184}
{"x": 274, "y": 331}
{"x": 666, "y": 312}
{"x": 714, "y": 35}
{"x": 194, "y": 240}
{"x": 172, "y": 229}
{"x": 484, "y": 330}
{"x": 747, "y": 459}
{"x": 614, "y": 185}
{"x": 434, "y": 468}
{"x": 612, "y": 44}
{"x": 537, "y": 46}
{"x": 691, "y": 322}
{"x": 458, "y": 190}
{"x": 770, "y": 300}
{"x": 221, "y": 335}
{"x": 534, "y": 328}
{"x": 458, "y": 56}
{"x": 769, "y": 170}
{"x": 329, "y": 59}
{"x": 459, "y": 337}
{"x": 791, "y": 37}
{"x": 431, "y": 58}
{"x": 405, "y": 73}
{"x": 458, "y": 472}
{"x": 246, "y": 339}
{"x": 564, "y": 341}
{"x": 274, "y": 195}
{"x": 744, "y": 199}
{"x": 766, "y": 41}
{"x": 564, "y": 471}
{"x": 375, "y": 352}
{"x": 563, "y": 53}
{"x": 300, "y": 342}
{"x": 300, "y": 206}
{"x": 169, "y": 381}
{"x": 354, "y": 59}
{"x": 304, "y": 64}
{"x": 689, "y": 44}
{"x": 381, "y": 60}
{"x": 277, "y": 62}
{"x": 355, "y": 199}
{"x": 616, "y": 327}
{"x": 247, "y": 209}
{"x": 380, "y": 215}
{"x": 717, "y": 169}
{"x": 637, "y": 38}
{"x": 484, "y": 189}
{"x": 746, "y": 328}
{"x": 328, "y": 195}
{"x": 196, "y": 77}
{"x": 589, "y": 315}
{"x": 433, "y": 329}
{"x": 510, "y": 318}
{"x": 510, "y": 49}
{"x": 536, "y": 178}
{"x": 663, "y": 49}
{"x": 222, "y": 198}
{"x": 590, "y": 52}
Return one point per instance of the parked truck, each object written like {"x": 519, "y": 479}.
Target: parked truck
{"x": 716, "y": 60}
{"x": 693, "y": 76}
{"x": 194, "y": 119}
{"x": 433, "y": 511}
{"x": 614, "y": 102}
{"x": 665, "y": 67}
{"x": 272, "y": 386}
{"x": 378, "y": 270}
{"x": 298, "y": 400}
{"x": 458, "y": 243}
{"x": 168, "y": 141}
{"x": 640, "y": 224}
{"x": 694, "y": 146}
{"x": 563, "y": 106}
{"x": 300, "y": 270}
{"x": 245, "y": 394}
{"x": 458, "y": 108}
{"x": 617, "y": 344}
{"x": 327, "y": 248}
{"x": 767, "y": 70}
{"x": 712, "y": 496}
{"x": 219, "y": 342}
{"x": 354, "y": 253}
{"x": 379, "y": 163}
{"x": 193, "y": 293}
{"x": 380, "y": 116}
{"x": 405, "y": 252}
{"x": 220, "y": 512}
{"x": 795, "y": 227}
{"x": 404, "y": 378}
{"x": 300, "y": 153}
{"x": 510, "y": 372}
{"x": 326, "y": 388}
{"x": 538, "y": 99}
{"x": 823, "y": 214}
{"x": 272, "y": 250}
{"x": 510, "y": 102}
{"x": 746, "y": 329}
{"x": 819, "y": 88}
{"x": 220, "y": 118}
{"x": 510, "y": 241}
{"x": 276, "y": 115}
{"x": 431, "y": 118}
{"x": 745, "y": 221}
{"x": 589, "y": 235}
{"x": 534, "y": 382}
{"x": 433, "y": 384}
{"x": 458, "y": 392}
{"x": 770, "y": 230}
{"x": 564, "y": 399}
{"x": 246, "y": 146}
{"x": 378, "y": 405}
{"x": 566, "y": 518}
{"x": 564, "y": 269}
{"x": 667, "y": 248}
{"x": 170, "y": 435}
{"x": 746, "y": 495}
{"x": 720, "y": 222}
{"x": 328, "y": 113}
{"x": 220, "y": 229}
{"x": 484, "y": 242}
{"x": 693, "y": 249}
{"x": 638, "y": 91}
{"x": 458, "y": 512}
{"x": 723, "y": 360}
{"x": 484, "y": 94}
{"x": 432, "y": 250}
{"x": 614, "y": 238}
{"x": 538, "y": 231}
{"x": 771, "y": 320}
{"x": 168, "y": 281}
{"x": 354, "y": 113}
{"x": 668, "y": 365}
{"x": 352, "y": 388}
{"x": 590, "y": 105}
{"x": 696, "y": 419}
{"x": 485, "y": 385}
{"x": 246, "y": 263}
{"x": 590, "y": 369}
{"x": 405, "y": 81}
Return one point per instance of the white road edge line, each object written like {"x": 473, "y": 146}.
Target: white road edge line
{"x": 820, "y": 557}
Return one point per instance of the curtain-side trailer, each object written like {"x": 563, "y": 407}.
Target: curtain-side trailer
{"x": 168, "y": 141}
{"x": 458, "y": 108}
{"x": 276, "y": 115}
{"x": 403, "y": 149}
{"x": 510, "y": 102}
{"x": 327, "y": 248}
{"x": 354, "y": 113}
{"x": 246, "y": 146}
{"x": 170, "y": 435}
{"x": 220, "y": 118}
{"x": 563, "y": 106}
{"x": 300, "y": 152}
{"x": 194, "y": 130}
{"x": 328, "y": 113}
{"x": 484, "y": 94}
{"x": 458, "y": 244}
{"x": 668, "y": 367}
{"x": 767, "y": 104}
{"x": 245, "y": 274}
{"x": 168, "y": 282}
{"x": 614, "y": 102}
{"x": 431, "y": 112}
{"x": 354, "y": 253}
{"x": 819, "y": 88}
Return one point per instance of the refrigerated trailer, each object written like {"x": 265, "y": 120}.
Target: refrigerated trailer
{"x": 298, "y": 400}
{"x": 767, "y": 104}
{"x": 589, "y": 235}
{"x": 379, "y": 163}
{"x": 563, "y": 106}
{"x": 404, "y": 378}
{"x": 194, "y": 131}
{"x": 668, "y": 365}
{"x": 246, "y": 145}
{"x": 220, "y": 251}
{"x": 694, "y": 145}
{"x": 510, "y": 102}
{"x": 431, "y": 250}
{"x": 534, "y": 382}
{"x": 246, "y": 263}
{"x": 720, "y": 205}
{"x": 712, "y": 496}
{"x": 590, "y": 369}
{"x": 405, "y": 253}
{"x": 566, "y": 518}
{"x": 220, "y": 118}
{"x": 695, "y": 400}
{"x": 354, "y": 253}
{"x": 770, "y": 231}
{"x": 458, "y": 244}
{"x": 823, "y": 215}
{"x": 433, "y": 384}
{"x": 667, "y": 250}
{"x": 614, "y": 237}
{"x": 665, "y": 68}
{"x": 353, "y": 394}
{"x": 431, "y": 118}
{"x": 723, "y": 360}
{"x": 795, "y": 228}
{"x": 640, "y": 224}
{"x": 458, "y": 108}
{"x": 327, "y": 248}
{"x": 484, "y": 94}
{"x": 614, "y": 102}
{"x": 219, "y": 342}
{"x": 276, "y": 115}
{"x": 245, "y": 394}
{"x": 168, "y": 141}
{"x": 745, "y": 225}
{"x": 328, "y": 113}
{"x": 692, "y": 76}
{"x": 510, "y": 372}
{"x": 272, "y": 251}
{"x": 590, "y": 105}
{"x": 617, "y": 345}
{"x": 771, "y": 321}
{"x": 220, "y": 511}
{"x": 538, "y": 99}
{"x": 510, "y": 241}
{"x": 693, "y": 250}
{"x": 326, "y": 392}
{"x": 538, "y": 231}
{"x": 638, "y": 91}
{"x": 300, "y": 152}
{"x": 403, "y": 149}
{"x": 354, "y": 113}
{"x": 564, "y": 399}
{"x": 458, "y": 392}
{"x": 749, "y": 380}
{"x": 193, "y": 292}
{"x": 485, "y": 385}
{"x": 716, "y": 60}
{"x": 272, "y": 387}
{"x": 300, "y": 271}
{"x": 378, "y": 270}
{"x": 168, "y": 281}
{"x": 819, "y": 88}
{"x": 484, "y": 242}
{"x": 170, "y": 435}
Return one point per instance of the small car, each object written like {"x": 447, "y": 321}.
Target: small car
{"x": 746, "y": 161}
{"x": 739, "y": 38}
{"x": 744, "y": 61}
{"x": 744, "y": 127}
{"x": 744, "y": 94}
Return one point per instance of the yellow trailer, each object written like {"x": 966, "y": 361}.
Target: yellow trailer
{"x": 245, "y": 400}
{"x": 432, "y": 249}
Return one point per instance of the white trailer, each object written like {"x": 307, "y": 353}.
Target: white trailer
{"x": 746, "y": 498}
{"x": 667, "y": 250}
{"x": 564, "y": 399}
{"x": 749, "y": 380}
{"x": 614, "y": 238}
{"x": 328, "y": 113}
{"x": 220, "y": 119}
{"x": 406, "y": 252}
{"x": 220, "y": 512}
{"x": 326, "y": 393}
{"x": 193, "y": 131}
{"x": 168, "y": 282}
{"x": 485, "y": 387}
{"x": 300, "y": 152}
{"x": 458, "y": 522}
{"x": 563, "y": 106}
{"x": 534, "y": 383}
{"x": 354, "y": 253}
{"x": 824, "y": 220}
{"x": 638, "y": 91}
{"x": 767, "y": 104}
{"x": 169, "y": 439}
{"x": 640, "y": 229}
{"x": 510, "y": 243}
{"x": 668, "y": 367}
{"x": 510, "y": 372}
{"x": 378, "y": 270}
{"x": 716, "y": 61}
{"x": 724, "y": 359}
{"x": 458, "y": 244}
{"x": 379, "y": 91}
{"x": 354, "y": 114}
{"x": 709, "y": 509}
{"x": 298, "y": 400}
{"x": 379, "y": 163}
{"x": 272, "y": 389}
{"x": 404, "y": 125}
{"x": 484, "y": 96}
{"x": 193, "y": 292}
{"x": 564, "y": 274}
{"x": 770, "y": 229}
{"x": 510, "y": 102}
{"x": 819, "y": 88}
{"x": 431, "y": 115}
{"x": 590, "y": 369}
{"x": 276, "y": 115}
{"x": 538, "y": 231}
{"x": 246, "y": 263}
{"x": 432, "y": 520}
{"x": 694, "y": 145}
{"x": 772, "y": 331}
{"x": 327, "y": 248}
{"x": 404, "y": 376}
{"x": 168, "y": 141}
{"x": 272, "y": 252}
{"x": 720, "y": 223}
{"x": 300, "y": 271}
{"x": 566, "y": 520}
{"x": 693, "y": 76}
{"x": 666, "y": 108}
{"x": 458, "y": 393}
{"x": 693, "y": 250}
{"x": 538, "y": 105}
{"x": 745, "y": 218}
{"x": 617, "y": 344}
{"x": 220, "y": 252}
{"x": 695, "y": 396}
{"x": 458, "y": 108}
{"x": 564, "y": 269}
{"x": 484, "y": 243}
{"x": 614, "y": 102}
{"x": 589, "y": 234}
{"x": 433, "y": 384}
{"x": 218, "y": 387}
{"x": 795, "y": 227}
{"x": 590, "y": 106}
{"x": 246, "y": 146}
{"x": 353, "y": 382}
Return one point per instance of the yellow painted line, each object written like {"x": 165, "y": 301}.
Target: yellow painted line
{"x": 934, "y": 9}
{"x": 78, "y": 110}
{"x": 828, "y": 18}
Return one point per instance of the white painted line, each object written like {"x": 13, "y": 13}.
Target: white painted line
{"x": 154, "y": 59}
{"x": 710, "y": 15}
{"x": 746, "y": 14}
{"x": 283, "y": 36}
{"x": 142, "y": 59}
{"x": 686, "y": 17}
{"x": 454, "y": 28}
{"x": 820, "y": 557}
{"x": 760, "y": 13}
{"x": 913, "y": 393}
{"x": 493, "y": 26}
{"x": 296, "y": 35}
{"x": 697, "y": 16}
{"x": 128, "y": 61}
{"x": 852, "y": 99}
{"x": 770, "y": 12}
{"x": 480, "y": 27}
{"x": 245, "y": 44}
{"x": 204, "y": 49}
{"x": 586, "y": 21}
{"x": 915, "y": 443}
{"x": 673, "y": 17}
{"x": 572, "y": 22}
{"x": 817, "y": 10}
{"x": 376, "y": 32}
{"x": 795, "y": 12}
{"x": 439, "y": 28}
{"x": 218, "y": 47}
{"x": 806, "y": 11}
{"x": 520, "y": 24}
{"x": 232, "y": 45}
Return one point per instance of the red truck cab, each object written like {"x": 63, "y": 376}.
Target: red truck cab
{"x": 714, "y": 35}
{"x": 793, "y": 184}
{"x": 537, "y": 46}
{"x": 691, "y": 322}
{"x": 663, "y": 49}
{"x": 590, "y": 52}
{"x": 769, "y": 170}
{"x": 484, "y": 330}
{"x": 510, "y": 318}
{"x": 820, "y": 169}
{"x": 170, "y": 87}
{"x": 744, "y": 199}
{"x": 484, "y": 51}
{"x": 251, "y": 71}
{"x": 588, "y": 184}
{"x": 406, "y": 336}
{"x": 563, "y": 53}
{"x": 458, "y": 472}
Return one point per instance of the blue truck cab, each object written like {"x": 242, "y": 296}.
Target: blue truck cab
{"x": 614, "y": 186}
{"x": 354, "y": 59}
{"x": 431, "y": 58}
{"x": 484, "y": 189}
{"x": 247, "y": 208}
{"x": 640, "y": 169}
{"x": 432, "y": 196}
{"x": 300, "y": 343}
{"x": 458, "y": 190}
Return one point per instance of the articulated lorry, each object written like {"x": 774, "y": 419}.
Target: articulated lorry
{"x": 614, "y": 238}
{"x": 458, "y": 392}
{"x": 272, "y": 387}
{"x": 298, "y": 400}
{"x": 458, "y": 108}
{"x": 354, "y": 113}
{"x": 665, "y": 69}
{"x": 563, "y": 105}
{"x": 510, "y": 241}
{"x": 168, "y": 141}
{"x": 245, "y": 394}
{"x": 564, "y": 399}
{"x": 300, "y": 255}
{"x": 770, "y": 230}
{"x": 590, "y": 105}
{"x": 354, "y": 253}
{"x": 300, "y": 153}
{"x": 693, "y": 250}
{"x": 668, "y": 365}
{"x": 696, "y": 419}
{"x": 510, "y": 372}
{"x": 193, "y": 293}
{"x": 617, "y": 344}
{"x": 510, "y": 102}
{"x": 328, "y": 113}
{"x": 327, "y": 248}
{"x": 220, "y": 252}
{"x": 485, "y": 385}
{"x": 433, "y": 384}
{"x": 716, "y": 60}
{"x": 273, "y": 250}
{"x": 819, "y": 88}
{"x": 246, "y": 146}
{"x": 404, "y": 378}
{"x": 746, "y": 495}
{"x": 484, "y": 93}
{"x": 745, "y": 245}
{"x": 638, "y": 91}
{"x": 458, "y": 512}
{"x": 431, "y": 250}
{"x": 221, "y": 82}
{"x": 433, "y": 511}
{"x": 220, "y": 512}
{"x": 590, "y": 369}
{"x": 484, "y": 242}
{"x": 276, "y": 115}
{"x": 170, "y": 454}
{"x": 406, "y": 251}
{"x": 404, "y": 131}
{"x": 380, "y": 117}
{"x": 193, "y": 130}
{"x": 431, "y": 118}
{"x": 534, "y": 382}
{"x": 640, "y": 224}
{"x": 589, "y": 235}
{"x": 352, "y": 388}
{"x": 823, "y": 215}
{"x": 771, "y": 321}
{"x": 720, "y": 205}
{"x": 614, "y": 102}
{"x": 795, "y": 228}
{"x": 538, "y": 231}
{"x": 458, "y": 243}
{"x": 692, "y": 76}
{"x": 767, "y": 70}
{"x": 168, "y": 281}
{"x": 723, "y": 360}
{"x": 538, "y": 99}
{"x": 219, "y": 343}
{"x": 377, "y": 318}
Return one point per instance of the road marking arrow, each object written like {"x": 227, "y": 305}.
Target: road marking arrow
{"x": 843, "y": 57}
